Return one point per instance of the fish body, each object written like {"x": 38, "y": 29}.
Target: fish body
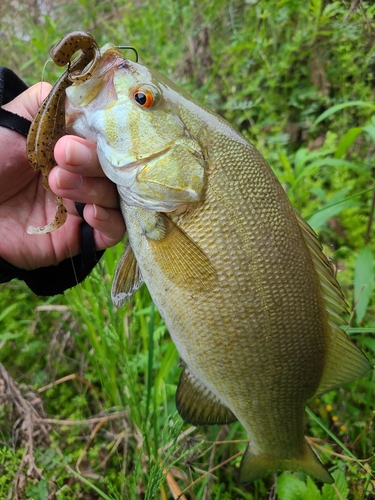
{"x": 239, "y": 278}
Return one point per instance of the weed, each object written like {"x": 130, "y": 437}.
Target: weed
{"x": 297, "y": 78}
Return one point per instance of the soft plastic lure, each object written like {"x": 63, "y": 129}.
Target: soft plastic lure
{"x": 49, "y": 123}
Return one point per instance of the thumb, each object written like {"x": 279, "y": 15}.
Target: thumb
{"x": 28, "y": 103}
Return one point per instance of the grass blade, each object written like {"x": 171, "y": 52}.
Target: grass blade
{"x": 363, "y": 281}
{"x": 338, "y": 107}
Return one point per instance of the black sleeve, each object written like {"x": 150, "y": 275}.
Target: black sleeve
{"x": 50, "y": 280}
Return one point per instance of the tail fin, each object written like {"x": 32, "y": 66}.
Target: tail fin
{"x": 256, "y": 466}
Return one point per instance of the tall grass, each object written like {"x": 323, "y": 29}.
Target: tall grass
{"x": 296, "y": 78}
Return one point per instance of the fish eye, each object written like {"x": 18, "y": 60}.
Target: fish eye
{"x": 145, "y": 96}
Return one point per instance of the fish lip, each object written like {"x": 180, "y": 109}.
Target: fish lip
{"x": 140, "y": 162}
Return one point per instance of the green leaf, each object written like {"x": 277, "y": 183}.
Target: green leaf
{"x": 289, "y": 487}
{"x": 368, "y": 342}
{"x": 341, "y": 106}
{"x": 347, "y": 140}
{"x": 339, "y": 196}
{"x": 363, "y": 281}
{"x": 304, "y": 156}
{"x": 341, "y": 482}
{"x": 9, "y": 336}
{"x": 7, "y": 311}
{"x": 319, "y": 193}
{"x": 351, "y": 331}
{"x": 300, "y": 158}
{"x": 329, "y": 491}
{"x": 370, "y": 129}
{"x": 331, "y": 162}
{"x": 319, "y": 218}
{"x": 312, "y": 492}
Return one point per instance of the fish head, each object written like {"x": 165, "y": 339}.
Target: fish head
{"x": 144, "y": 145}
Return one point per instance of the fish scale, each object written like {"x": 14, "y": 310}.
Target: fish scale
{"x": 252, "y": 290}
{"x": 239, "y": 278}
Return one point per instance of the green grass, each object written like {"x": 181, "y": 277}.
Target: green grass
{"x": 297, "y": 78}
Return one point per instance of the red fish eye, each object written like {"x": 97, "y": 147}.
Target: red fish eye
{"x": 144, "y": 97}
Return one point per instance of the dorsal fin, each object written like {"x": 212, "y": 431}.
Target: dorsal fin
{"x": 198, "y": 405}
{"x": 344, "y": 361}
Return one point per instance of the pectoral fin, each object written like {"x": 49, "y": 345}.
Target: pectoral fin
{"x": 198, "y": 405}
{"x": 178, "y": 256}
{"x": 181, "y": 259}
{"x": 127, "y": 278}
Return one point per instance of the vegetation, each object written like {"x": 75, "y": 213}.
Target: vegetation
{"x": 87, "y": 392}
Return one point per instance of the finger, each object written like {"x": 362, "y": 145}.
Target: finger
{"x": 78, "y": 155}
{"x": 109, "y": 225}
{"x": 27, "y": 103}
{"x": 98, "y": 190}
{"x": 15, "y": 169}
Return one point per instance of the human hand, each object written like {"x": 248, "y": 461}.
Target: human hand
{"x": 24, "y": 202}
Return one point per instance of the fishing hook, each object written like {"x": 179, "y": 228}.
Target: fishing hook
{"x": 128, "y": 47}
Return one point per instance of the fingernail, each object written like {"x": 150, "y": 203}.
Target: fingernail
{"x": 66, "y": 180}
{"x": 76, "y": 153}
{"x": 100, "y": 213}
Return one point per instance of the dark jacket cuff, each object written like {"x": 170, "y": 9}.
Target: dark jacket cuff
{"x": 50, "y": 280}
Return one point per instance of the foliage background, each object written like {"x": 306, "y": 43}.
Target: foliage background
{"x": 87, "y": 392}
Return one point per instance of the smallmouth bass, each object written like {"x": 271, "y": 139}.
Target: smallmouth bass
{"x": 239, "y": 278}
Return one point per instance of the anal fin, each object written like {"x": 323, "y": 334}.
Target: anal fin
{"x": 198, "y": 405}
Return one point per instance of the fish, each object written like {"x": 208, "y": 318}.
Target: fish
{"x": 240, "y": 279}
